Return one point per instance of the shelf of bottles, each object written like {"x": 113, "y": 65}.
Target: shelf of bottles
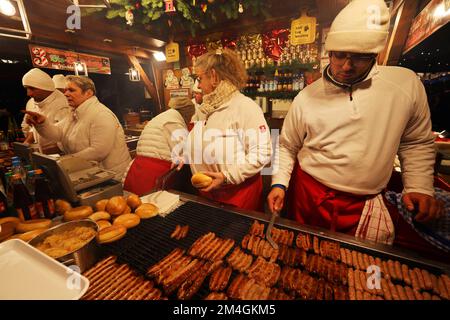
{"x": 279, "y": 83}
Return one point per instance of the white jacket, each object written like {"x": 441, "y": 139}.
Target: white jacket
{"x": 351, "y": 145}
{"x": 92, "y": 132}
{"x": 156, "y": 139}
{"x": 55, "y": 107}
{"x": 234, "y": 140}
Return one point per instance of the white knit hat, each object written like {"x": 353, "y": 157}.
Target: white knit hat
{"x": 60, "y": 81}
{"x": 361, "y": 27}
{"x": 37, "y": 78}
{"x": 195, "y": 88}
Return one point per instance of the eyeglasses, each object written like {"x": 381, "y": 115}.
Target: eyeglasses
{"x": 357, "y": 59}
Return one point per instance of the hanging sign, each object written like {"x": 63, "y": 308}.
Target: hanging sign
{"x": 50, "y": 58}
{"x": 172, "y": 52}
{"x": 303, "y": 30}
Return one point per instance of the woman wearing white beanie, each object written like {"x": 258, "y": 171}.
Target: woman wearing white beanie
{"x": 44, "y": 100}
{"x": 342, "y": 133}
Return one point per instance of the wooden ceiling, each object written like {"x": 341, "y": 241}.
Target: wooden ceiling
{"x": 48, "y": 18}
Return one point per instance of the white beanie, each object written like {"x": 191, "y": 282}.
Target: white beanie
{"x": 361, "y": 27}
{"x": 195, "y": 88}
{"x": 60, "y": 81}
{"x": 37, "y": 78}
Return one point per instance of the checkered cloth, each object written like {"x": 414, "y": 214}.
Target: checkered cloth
{"x": 436, "y": 232}
{"x": 376, "y": 223}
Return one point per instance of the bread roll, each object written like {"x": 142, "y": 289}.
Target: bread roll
{"x": 128, "y": 220}
{"x": 101, "y": 205}
{"x": 133, "y": 201}
{"x": 62, "y": 206}
{"x": 31, "y": 225}
{"x": 102, "y": 224}
{"x": 147, "y": 210}
{"x": 116, "y": 205}
{"x": 27, "y": 236}
{"x": 8, "y": 227}
{"x": 78, "y": 213}
{"x": 200, "y": 180}
{"x": 127, "y": 210}
{"x": 100, "y": 215}
{"x": 111, "y": 234}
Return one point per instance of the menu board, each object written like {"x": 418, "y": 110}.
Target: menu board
{"x": 435, "y": 15}
{"x": 45, "y": 57}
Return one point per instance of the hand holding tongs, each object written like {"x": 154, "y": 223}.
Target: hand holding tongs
{"x": 161, "y": 182}
{"x": 269, "y": 230}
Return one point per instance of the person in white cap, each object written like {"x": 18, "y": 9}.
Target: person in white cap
{"x": 45, "y": 100}
{"x": 342, "y": 133}
{"x": 197, "y": 100}
{"x": 91, "y": 132}
{"x": 60, "y": 82}
{"x": 158, "y": 140}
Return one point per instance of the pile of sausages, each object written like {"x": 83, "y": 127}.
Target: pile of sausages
{"x": 111, "y": 281}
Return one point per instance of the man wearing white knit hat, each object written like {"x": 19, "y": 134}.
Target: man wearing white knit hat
{"x": 45, "y": 100}
{"x": 342, "y": 133}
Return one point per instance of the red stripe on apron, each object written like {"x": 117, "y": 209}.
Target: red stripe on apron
{"x": 144, "y": 171}
{"x": 247, "y": 195}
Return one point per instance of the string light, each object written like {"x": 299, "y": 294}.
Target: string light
{"x": 7, "y": 8}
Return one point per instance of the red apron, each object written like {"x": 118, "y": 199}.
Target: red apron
{"x": 141, "y": 178}
{"x": 247, "y": 195}
{"x": 311, "y": 202}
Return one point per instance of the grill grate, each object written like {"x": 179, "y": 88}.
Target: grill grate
{"x": 150, "y": 241}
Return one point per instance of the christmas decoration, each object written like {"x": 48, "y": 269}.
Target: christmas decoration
{"x": 129, "y": 16}
{"x": 189, "y": 15}
{"x": 169, "y": 6}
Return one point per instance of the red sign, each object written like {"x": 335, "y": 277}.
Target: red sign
{"x": 435, "y": 15}
{"x": 44, "y": 57}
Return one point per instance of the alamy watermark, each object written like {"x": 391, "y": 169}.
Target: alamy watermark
{"x": 374, "y": 277}
{"x": 73, "y": 281}
{"x": 74, "y": 19}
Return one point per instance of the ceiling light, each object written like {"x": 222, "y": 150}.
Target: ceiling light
{"x": 159, "y": 56}
{"x": 7, "y": 8}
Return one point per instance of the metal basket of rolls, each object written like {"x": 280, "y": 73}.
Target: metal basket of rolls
{"x": 71, "y": 243}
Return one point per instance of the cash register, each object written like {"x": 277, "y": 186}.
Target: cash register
{"x": 77, "y": 180}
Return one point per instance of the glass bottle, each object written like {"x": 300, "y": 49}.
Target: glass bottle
{"x": 45, "y": 203}
{"x": 23, "y": 202}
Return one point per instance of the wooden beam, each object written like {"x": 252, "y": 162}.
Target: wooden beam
{"x": 404, "y": 17}
{"x": 147, "y": 82}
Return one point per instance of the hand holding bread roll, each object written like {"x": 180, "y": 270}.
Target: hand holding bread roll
{"x": 208, "y": 181}
{"x": 200, "y": 180}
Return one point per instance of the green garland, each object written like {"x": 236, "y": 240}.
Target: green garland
{"x": 151, "y": 15}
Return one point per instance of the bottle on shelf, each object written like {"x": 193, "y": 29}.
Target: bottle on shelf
{"x": 45, "y": 203}
{"x": 30, "y": 182}
{"x": 23, "y": 202}
{"x": 17, "y": 168}
{"x": 3, "y": 202}
{"x": 275, "y": 81}
{"x": 301, "y": 81}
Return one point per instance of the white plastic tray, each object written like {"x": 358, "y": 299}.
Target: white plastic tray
{"x": 28, "y": 274}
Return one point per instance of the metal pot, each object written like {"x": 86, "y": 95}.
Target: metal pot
{"x": 83, "y": 257}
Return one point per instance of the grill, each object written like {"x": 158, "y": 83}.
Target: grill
{"x": 150, "y": 241}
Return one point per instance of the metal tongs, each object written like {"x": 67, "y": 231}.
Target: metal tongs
{"x": 269, "y": 230}
{"x": 161, "y": 182}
